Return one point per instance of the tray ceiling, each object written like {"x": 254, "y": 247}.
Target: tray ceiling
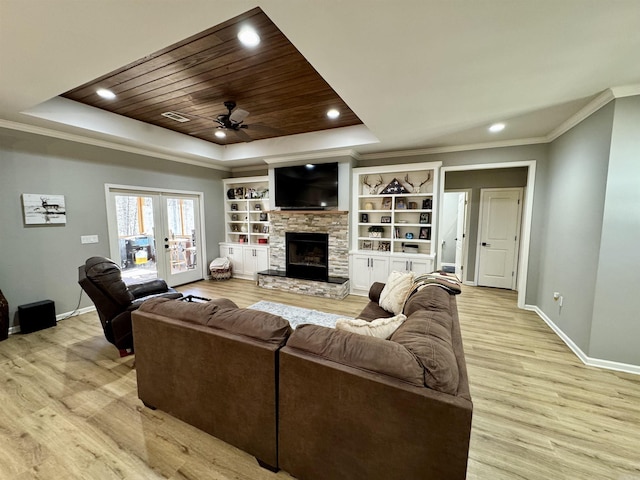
{"x": 282, "y": 92}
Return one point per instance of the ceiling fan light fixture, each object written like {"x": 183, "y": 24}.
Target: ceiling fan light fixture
{"x": 107, "y": 94}
{"x": 496, "y": 127}
{"x": 248, "y": 37}
{"x": 333, "y": 114}
{"x": 220, "y": 134}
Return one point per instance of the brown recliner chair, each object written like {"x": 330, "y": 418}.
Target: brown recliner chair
{"x": 101, "y": 279}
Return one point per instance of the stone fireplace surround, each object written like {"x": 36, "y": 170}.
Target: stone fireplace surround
{"x": 332, "y": 222}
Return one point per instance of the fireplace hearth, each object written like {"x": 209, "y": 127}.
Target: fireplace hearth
{"x": 307, "y": 255}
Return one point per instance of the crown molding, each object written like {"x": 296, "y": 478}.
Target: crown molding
{"x": 626, "y": 90}
{"x": 46, "y": 132}
{"x": 589, "y": 109}
{"x": 457, "y": 148}
{"x": 313, "y": 156}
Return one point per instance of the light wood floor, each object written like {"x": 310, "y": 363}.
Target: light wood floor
{"x": 69, "y": 408}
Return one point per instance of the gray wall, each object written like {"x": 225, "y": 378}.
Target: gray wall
{"x": 40, "y": 262}
{"x": 615, "y": 330}
{"x": 576, "y": 183}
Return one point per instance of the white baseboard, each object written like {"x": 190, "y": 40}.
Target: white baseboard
{"x": 592, "y": 362}
{"x": 61, "y": 316}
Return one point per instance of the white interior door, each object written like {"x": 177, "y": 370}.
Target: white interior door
{"x": 460, "y": 234}
{"x": 500, "y": 210}
{"x": 155, "y": 234}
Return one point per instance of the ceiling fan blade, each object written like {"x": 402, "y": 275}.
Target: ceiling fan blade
{"x": 238, "y": 116}
{"x": 242, "y": 135}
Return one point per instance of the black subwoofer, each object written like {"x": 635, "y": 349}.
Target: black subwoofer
{"x": 37, "y": 316}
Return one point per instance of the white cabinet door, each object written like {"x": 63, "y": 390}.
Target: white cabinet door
{"x": 255, "y": 259}
{"x": 417, "y": 265}
{"x": 367, "y": 269}
{"x": 235, "y": 255}
{"x": 360, "y": 272}
{"x": 379, "y": 270}
{"x": 262, "y": 259}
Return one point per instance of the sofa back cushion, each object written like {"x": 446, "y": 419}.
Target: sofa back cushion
{"x": 362, "y": 352}
{"x": 223, "y": 314}
{"x": 191, "y": 312}
{"x": 427, "y": 334}
{"x": 263, "y": 326}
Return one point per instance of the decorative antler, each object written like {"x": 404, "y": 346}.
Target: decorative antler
{"x": 379, "y": 182}
{"x": 408, "y": 182}
{"x": 365, "y": 181}
{"x": 427, "y": 180}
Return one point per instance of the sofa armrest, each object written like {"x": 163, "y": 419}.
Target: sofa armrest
{"x": 139, "y": 290}
{"x": 375, "y": 290}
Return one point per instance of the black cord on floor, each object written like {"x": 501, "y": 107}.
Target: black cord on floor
{"x": 75, "y": 309}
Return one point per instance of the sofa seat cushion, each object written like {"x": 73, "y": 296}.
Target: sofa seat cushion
{"x": 373, "y": 311}
{"x": 263, "y": 326}
{"x": 365, "y": 353}
{"x": 427, "y": 335}
{"x": 191, "y": 312}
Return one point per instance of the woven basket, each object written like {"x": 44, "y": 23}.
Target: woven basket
{"x": 221, "y": 273}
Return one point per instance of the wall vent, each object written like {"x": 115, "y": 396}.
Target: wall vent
{"x": 175, "y": 116}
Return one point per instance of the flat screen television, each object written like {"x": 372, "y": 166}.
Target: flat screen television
{"x": 308, "y": 186}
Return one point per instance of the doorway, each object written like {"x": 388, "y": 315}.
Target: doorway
{"x": 499, "y": 237}
{"x": 527, "y": 213}
{"x": 155, "y": 234}
{"x": 454, "y": 228}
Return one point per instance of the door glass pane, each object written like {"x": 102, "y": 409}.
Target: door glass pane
{"x": 182, "y": 234}
{"x": 136, "y": 241}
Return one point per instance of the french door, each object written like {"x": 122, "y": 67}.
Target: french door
{"x": 155, "y": 234}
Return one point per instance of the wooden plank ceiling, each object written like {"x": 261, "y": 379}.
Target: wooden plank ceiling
{"x": 282, "y": 92}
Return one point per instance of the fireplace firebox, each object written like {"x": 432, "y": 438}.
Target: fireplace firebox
{"x": 307, "y": 255}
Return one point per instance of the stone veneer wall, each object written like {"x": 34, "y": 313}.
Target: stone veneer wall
{"x": 335, "y": 224}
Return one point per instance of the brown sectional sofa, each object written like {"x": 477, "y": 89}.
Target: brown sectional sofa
{"x": 320, "y": 403}
{"x": 214, "y": 366}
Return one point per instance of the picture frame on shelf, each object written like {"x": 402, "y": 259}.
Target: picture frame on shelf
{"x": 425, "y": 217}
{"x": 413, "y": 205}
{"x": 427, "y": 204}
{"x": 384, "y": 246}
{"x": 386, "y": 203}
{"x": 265, "y": 229}
{"x": 234, "y": 207}
{"x": 256, "y": 229}
{"x": 239, "y": 192}
{"x": 264, "y": 217}
{"x": 364, "y": 218}
{"x": 234, "y": 217}
{"x": 401, "y": 204}
{"x": 367, "y": 245}
{"x": 396, "y": 232}
{"x": 385, "y": 219}
{"x": 425, "y": 233}
{"x": 257, "y": 206}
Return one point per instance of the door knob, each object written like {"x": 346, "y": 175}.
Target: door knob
{"x": 485, "y": 244}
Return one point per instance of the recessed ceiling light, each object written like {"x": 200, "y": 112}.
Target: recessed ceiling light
{"x": 333, "y": 114}
{"x": 220, "y": 134}
{"x": 104, "y": 93}
{"x": 248, "y": 37}
{"x": 496, "y": 127}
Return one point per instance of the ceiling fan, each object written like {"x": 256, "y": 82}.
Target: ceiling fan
{"x": 231, "y": 121}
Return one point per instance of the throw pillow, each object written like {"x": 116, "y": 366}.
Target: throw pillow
{"x": 379, "y": 328}
{"x": 395, "y": 291}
